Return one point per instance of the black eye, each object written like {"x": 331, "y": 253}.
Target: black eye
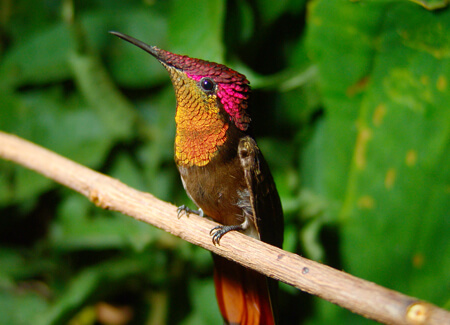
{"x": 207, "y": 84}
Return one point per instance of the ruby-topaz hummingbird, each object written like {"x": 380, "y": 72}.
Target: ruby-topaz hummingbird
{"x": 224, "y": 174}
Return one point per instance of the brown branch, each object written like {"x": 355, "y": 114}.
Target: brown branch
{"x": 359, "y": 296}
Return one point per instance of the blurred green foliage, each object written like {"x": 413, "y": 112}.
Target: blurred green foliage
{"x": 350, "y": 107}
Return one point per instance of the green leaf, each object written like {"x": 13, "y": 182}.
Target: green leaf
{"x": 20, "y": 307}
{"x": 116, "y": 113}
{"x": 131, "y": 66}
{"x": 74, "y": 132}
{"x": 40, "y": 58}
{"x": 272, "y": 10}
{"x": 89, "y": 284}
{"x": 203, "y": 313}
{"x": 156, "y": 155}
{"x": 341, "y": 40}
{"x": 78, "y": 227}
{"x": 196, "y": 29}
{"x": 403, "y": 137}
{"x": 22, "y": 294}
{"x": 432, "y": 4}
{"x": 384, "y": 71}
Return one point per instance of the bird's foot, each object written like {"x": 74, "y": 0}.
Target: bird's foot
{"x": 218, "y": 232}
{"x": 184, "y": 210}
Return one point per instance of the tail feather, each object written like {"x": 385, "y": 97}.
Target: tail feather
{"x": 242, "y": 294}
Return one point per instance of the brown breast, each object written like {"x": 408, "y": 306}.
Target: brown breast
{"x": 216, "y": 188}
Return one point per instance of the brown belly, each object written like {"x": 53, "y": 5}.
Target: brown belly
{"x": 216, "y": 189}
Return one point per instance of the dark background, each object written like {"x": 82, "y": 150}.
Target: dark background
{"x": 350, "y": 107}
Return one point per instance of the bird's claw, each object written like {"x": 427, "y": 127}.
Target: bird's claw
{"x": 184, "y": 210}
{"x": 218, "y": 232}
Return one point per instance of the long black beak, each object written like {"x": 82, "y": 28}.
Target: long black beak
{"x": 153, "y": 50}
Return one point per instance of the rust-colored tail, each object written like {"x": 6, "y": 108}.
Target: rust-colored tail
{"x": 242, "y": 294}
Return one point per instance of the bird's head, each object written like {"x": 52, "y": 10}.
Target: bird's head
{"x": 203, "y": 85}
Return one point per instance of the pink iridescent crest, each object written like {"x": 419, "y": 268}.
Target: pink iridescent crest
{"x": 233, "y": 87}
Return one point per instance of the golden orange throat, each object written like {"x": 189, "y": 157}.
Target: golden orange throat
{"x": 198, "y": 138}
{"x": 200, "y": 131}
{"x": 200, "y": 127}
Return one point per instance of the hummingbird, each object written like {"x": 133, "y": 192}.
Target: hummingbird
{"x": 225, "y": 174}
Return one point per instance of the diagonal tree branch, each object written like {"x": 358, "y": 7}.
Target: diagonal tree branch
{"x": 359, "y": 296}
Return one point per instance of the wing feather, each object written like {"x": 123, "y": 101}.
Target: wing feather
{"x": 265, "y": 203}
